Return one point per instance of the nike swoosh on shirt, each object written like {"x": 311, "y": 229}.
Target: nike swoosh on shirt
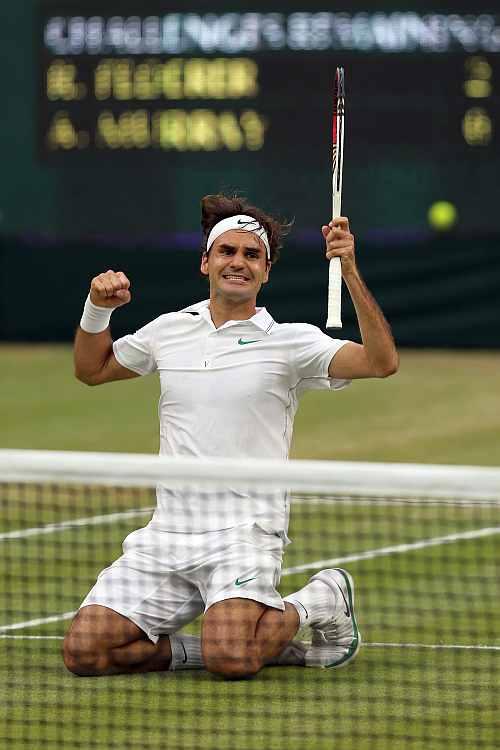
{"x": 251, "y": 341}
{"x": 240, "y": 583}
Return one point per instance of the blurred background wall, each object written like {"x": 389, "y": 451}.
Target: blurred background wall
{"x": 118, "y": 117}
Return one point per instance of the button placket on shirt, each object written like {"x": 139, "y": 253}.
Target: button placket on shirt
{"x": 210, "y": 347}
{"x": 213, "y": 339}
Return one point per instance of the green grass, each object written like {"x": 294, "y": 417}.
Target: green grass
{"x": 402, "y": 698}
{"x": 354, "y": 709}
{"x": 440, "y": 408}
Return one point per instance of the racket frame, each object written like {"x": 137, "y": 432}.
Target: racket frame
{"x": 334, "y": 319}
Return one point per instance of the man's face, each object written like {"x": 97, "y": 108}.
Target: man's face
{"x": 236, "y": 265}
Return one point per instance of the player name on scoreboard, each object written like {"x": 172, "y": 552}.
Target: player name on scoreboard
{"x": 131, "y": 82}
{"x": 172, "y": 129}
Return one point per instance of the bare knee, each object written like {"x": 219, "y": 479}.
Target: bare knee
{"x": 229, "y": 646}
{"x": 230, "y": 663}
{"x": 94, "y": 635}
{"x": 82, "y": 656}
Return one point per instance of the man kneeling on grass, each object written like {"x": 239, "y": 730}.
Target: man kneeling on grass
{"x": 230, "y": 380}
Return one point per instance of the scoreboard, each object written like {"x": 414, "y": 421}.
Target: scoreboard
{"x": 124, "y": 114}
{"x": 143, "y": 108}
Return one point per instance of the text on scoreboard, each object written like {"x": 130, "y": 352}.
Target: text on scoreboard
{"x": 228, "y": 82}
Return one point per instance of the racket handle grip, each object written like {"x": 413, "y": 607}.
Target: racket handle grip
{"x": 334, "y": 294}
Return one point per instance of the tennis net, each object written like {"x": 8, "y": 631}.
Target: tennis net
{"x": 422, "y": 546}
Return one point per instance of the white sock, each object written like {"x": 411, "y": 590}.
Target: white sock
{"x": 186, "y": 652}
{"x": 313, "y": 602}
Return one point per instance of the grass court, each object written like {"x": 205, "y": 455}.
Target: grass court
{"x": 428, "y": 672}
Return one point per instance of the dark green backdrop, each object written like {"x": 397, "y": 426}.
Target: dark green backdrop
{"x": 436, "y": 292}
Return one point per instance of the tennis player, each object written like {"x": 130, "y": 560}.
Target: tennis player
{"x": 231, "y": 377}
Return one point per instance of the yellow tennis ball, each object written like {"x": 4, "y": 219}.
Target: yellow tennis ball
{"x": 442, "y": 215}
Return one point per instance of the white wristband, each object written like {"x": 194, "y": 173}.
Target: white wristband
{"x": 95, "y": 319}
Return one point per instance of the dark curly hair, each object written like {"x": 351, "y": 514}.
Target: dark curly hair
{"x": 214, "y": 208}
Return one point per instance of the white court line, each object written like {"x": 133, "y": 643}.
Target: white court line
{"x": 396, "y": 549}
{"x": 38, "y": 621}
{"x": 434, "y": 646}
{"x": 33, "y": 637}
{"x": 367, "y": 555}
{"x": 50, "y": 528}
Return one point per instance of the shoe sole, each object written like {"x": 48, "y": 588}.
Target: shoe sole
{"x": 356, "y": 641}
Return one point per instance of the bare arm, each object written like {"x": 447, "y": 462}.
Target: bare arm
{"x": 94, "y": 360}
{"x": 377, "y": 356}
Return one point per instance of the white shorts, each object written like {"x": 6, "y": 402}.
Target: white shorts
{"x": 165, "y": 580}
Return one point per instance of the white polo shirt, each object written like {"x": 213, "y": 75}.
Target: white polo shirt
{"x": 228, "y": 391}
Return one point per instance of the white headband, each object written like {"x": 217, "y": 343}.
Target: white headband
{"x": 243, "y": 223}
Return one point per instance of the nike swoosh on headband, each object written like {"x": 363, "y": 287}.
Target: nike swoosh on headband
{"x": 242, "y": 222}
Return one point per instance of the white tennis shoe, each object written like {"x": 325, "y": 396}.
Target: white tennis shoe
{"x": 336, "y": 639}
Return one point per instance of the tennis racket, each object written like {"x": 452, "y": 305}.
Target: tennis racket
{"x": 334, "y": 319}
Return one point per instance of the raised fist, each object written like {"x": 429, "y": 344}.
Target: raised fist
{"x": 340, "y": 243}
{"x": 110, "y": 289}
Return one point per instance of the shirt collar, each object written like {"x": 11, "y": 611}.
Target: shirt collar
{"x": 262, "y": 319}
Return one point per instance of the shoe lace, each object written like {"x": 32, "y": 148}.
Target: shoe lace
{"x": 337, "y": 628}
